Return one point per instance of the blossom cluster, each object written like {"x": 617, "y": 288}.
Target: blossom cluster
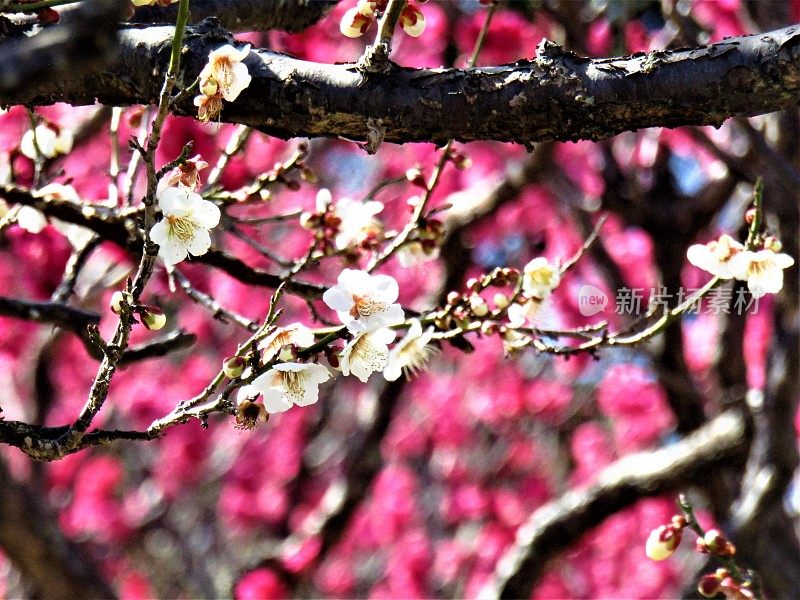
{"x": 728, "y": 259}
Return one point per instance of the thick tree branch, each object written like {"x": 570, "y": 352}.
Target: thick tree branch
{"x": 245, "y": 15}
{"x": 557, "y": 96}
{"x": 84, "y": 42}
{"x": 555, "y": 526}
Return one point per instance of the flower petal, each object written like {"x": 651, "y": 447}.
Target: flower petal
{"x": 338, "y": 299}
{"x": 200, "y": 242}
{"x": 275, "y": 401}
{"x": 172, "y": 251}
{"x": 206, "y": 213}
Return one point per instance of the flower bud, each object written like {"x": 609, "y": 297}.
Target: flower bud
{"x": 415, "y": 176}
{"x": 773, "y": 243}
{"x": 354, "y": 24}
{"x": 708, "y": 585}
{"x": 152, "y": 317}
{"x": 412, "y": 20}
{"x": 209, "y": 86}
{"x": 233, "y": 367}
{"x": 715, "y": 540}
{"x": 750, "y": 215}
{"x": 478, "y": 306}
{"x": 308, "y": 175}
{"x": 460, "y": 160}
{"x": 663, "y": 542}
{"x": 309, "y": 220}
{"x": 473, "y": 282}
{"x": 117, "y": 302}
{"x": 500, "y": 300}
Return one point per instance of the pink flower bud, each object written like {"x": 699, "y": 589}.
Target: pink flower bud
{"x": 354, "y": 24}
{"x": 412, "y": 20}
{"x": 233, "y": 367}
{"x": 708, "y": 585}
{"x": 663, "y": 542}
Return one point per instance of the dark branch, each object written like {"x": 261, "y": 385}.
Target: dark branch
{"x": 555, "y": 526}
{"x": 557, "y": 96}
{"x": 111, "y": 226}
{"x": 244, "y": 15}
{"x": 84, "y": 42}
{"x": 62, "y": 315}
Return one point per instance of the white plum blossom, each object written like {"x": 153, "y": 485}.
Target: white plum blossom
{"x": 716, "y": 256}
{"x": 51, "y": 141}
{"x": 296, "y": 334}
{"x": 368, "y": 299}
{"x": 367, "y": 352}
{"x": 287, "y": 384}
{"x": 227, "y": 71}
{"x": 540, "y": 278}
{"x": 358, "y": 221}
{"x": 410, "y": 353}
{"x": 30, "y": 219}
{"x": 763, "y": 270}
{"x": 184, "y": 228}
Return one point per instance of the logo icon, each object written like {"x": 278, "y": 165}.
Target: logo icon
{"x": 591, "y": 300}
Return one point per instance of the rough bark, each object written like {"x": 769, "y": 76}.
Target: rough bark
{"x": 557, "y": 96}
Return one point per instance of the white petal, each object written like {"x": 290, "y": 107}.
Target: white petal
{"x": 160, "y": 232}
{"x": 386, "y": 288}
{"x": 354, "y": 281}
{"x": 393, "y": 370}
{"x": 206, "y": 213}
{"x": 170, "y": 199}
{"x": 324, "y": 199}
{"x": 783, "y": 261}
{"x": 769, "y": 282}
{"x": 383, "y": 336}
{"x": 241, "y": 79}
{"x": 172, "y": 251}
{"x": 302, "y": 336}
{"x": 246, "y": 392}
{"x": 200, "y": 242}
{"x": 275, "y": 401}
{"x": 394, "y": 315}
{"x": 338, "y": 299}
